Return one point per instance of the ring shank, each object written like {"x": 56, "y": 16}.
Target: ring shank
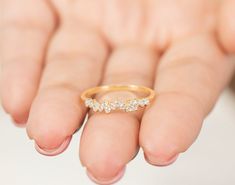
{"x": 110, "y": 88}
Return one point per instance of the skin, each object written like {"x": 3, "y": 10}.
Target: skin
{"x": 52, "y": 50}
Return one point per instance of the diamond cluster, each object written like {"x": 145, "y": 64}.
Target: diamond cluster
{"x": 108, "y": 106}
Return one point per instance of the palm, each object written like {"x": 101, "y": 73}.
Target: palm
{"x": 63, "y": 47}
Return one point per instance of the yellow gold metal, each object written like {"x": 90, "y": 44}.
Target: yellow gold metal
{"x": 127, "y": 105}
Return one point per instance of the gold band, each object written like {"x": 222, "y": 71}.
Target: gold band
{"x": 129, "y": 105}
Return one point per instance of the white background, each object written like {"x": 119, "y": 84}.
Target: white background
{"x": 210, "y": 161}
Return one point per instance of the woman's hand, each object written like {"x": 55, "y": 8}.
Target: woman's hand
{"x": 52, "y": 50}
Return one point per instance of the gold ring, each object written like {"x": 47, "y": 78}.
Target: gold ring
{"x": 128, "y": 105}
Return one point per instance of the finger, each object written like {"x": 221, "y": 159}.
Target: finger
{"x": 190, "y": 78}
{"x": 226, "y": 25}
{"x": 109, "y": 141}
{"x": 25, "y": 33}
{"x": 72, "y": 66}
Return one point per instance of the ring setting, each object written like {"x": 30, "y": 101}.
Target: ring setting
{"x": 107, "y": 106}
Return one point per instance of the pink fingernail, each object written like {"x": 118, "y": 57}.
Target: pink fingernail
{"x": 56, "y": 151}
{"x": 106, "y": 181}
{"x": 155, "y": 161}
{"x": 18, "y": 123}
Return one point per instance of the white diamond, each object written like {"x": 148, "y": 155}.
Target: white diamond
{"x": 132, "y": 105}
{"x": 128, "y": 109}
{"x": 131, "y": 108}
{"x": 117, "y": 105}
{"x": 134, "y": 102}
{"x": 107, "y": 109}
{"x": 121, "y": 105}
{"x": 106, "y": 106}
{"x": 113, "y": 105}
{"x": 146, "y": 101}
{"x": 89, "y": 102}
{"x": 143, "y": 102}
{"x": 96, "y": 106}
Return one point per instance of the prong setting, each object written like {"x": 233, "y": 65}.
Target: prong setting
{"x": 109, "y": 106}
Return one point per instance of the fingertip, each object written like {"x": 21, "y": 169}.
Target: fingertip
{"x": 105, "y": 169}
{"x": 19, "y": 83}
{"x": 108, "y": 143}
{"x": 54, "y": 116}
{"x": 15, "y": 103}
{"x": 102, "y": 167}
{"x": 160, "y": 152}
{"x": 47, "y": 139}
{"x": 169, "y": 128}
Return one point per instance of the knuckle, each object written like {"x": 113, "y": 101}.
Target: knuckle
{"x": 196, "y": 70}
{"x": 70, "y": 44}
{"x": 62, "y": 86}
{"x": 49, "y": 140}
{"x": 26, "y": 24}
{"x": 49, "y": 137}
{"x": 23, "y": 19}
{"x": 63, "y": 55}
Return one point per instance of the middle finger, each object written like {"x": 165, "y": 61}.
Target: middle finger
{"x": 109, "y": 141}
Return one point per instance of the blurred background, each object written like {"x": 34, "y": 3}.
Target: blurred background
{"x": 210, "y": 160}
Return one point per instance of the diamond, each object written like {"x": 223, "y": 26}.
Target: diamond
{"x": 107, "y": 109}
{"x": 117, "y": 104}
{"x": 131, "y": 105}
{"x": 96, "y": 106}
{"x": 89, "y": 102}
{"x": 113, "y": 105}
{"x": 143, "y": 102}
{"x": 130, "y": 108}
{"x": 106, "y": 106}
{"x": 134, "y": 102}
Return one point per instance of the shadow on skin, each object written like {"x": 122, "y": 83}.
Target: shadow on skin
{"x": 232, "y": 85}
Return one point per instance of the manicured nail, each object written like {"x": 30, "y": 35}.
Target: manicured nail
{"x": 106, "y": 181}
{"x": 56, "y": 151}
{"x": 155, "y": 161}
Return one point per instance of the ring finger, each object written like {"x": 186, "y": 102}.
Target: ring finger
{"x": 109, "y": 141}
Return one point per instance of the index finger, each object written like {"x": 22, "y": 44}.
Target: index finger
{"x": 26, "y": 28}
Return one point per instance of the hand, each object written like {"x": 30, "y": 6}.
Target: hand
{"x": 53, "y": 50}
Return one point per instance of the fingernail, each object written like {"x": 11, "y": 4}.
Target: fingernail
{"x": 19, "y": 123}
{"x": 106, "y": 181}
{"x": 56, "y": 151}
{"x": 157, "y": 162}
